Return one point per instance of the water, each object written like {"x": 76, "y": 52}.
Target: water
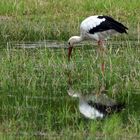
{"x": 41, "y": 44}
{"x": 61, "y": 44}
{"x": 41, "y": 91}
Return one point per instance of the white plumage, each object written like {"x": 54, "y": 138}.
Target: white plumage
{"x": 96, "y": 106}
{"x": 89, "y": 112}
{"x": 87, "y": 25}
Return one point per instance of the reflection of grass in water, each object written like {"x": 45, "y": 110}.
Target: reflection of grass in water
{"x": 34, "y": 84}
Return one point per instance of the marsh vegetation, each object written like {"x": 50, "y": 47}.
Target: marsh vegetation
{"x": 33, "y": 81}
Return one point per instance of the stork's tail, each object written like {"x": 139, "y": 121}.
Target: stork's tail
{"x": 115, "y": 108}
{"x": 118, "y": 107}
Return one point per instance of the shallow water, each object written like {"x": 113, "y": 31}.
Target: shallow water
{"x": 63, "y": 44}
{"x": 27, "y": 105}
{"x": 41, "y": 44}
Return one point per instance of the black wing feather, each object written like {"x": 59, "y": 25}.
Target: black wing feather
{"x": 106, "y": 109}
{"x": 109, "y": 24}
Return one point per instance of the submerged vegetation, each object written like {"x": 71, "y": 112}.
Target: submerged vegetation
{"x": 33, "y": 82}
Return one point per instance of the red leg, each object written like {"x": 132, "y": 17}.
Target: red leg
{"x": 101, "y": 50}
{"x": 69, "y": 53}
{"x": 100, "y": 42}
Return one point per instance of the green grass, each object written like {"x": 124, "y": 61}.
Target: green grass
{"x": 33, "y": 82}
{"x": 34, "y": 98}
{"x": 42, "y": 20}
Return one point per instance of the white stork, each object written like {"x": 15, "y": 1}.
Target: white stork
{"x": 97, "y": 28}
{"x": 96, "y": 106}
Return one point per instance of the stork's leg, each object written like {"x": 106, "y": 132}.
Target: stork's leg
{"x": 101, "y": 52}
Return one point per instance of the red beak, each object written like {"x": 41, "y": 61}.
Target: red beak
{"x": 69, "y": 52}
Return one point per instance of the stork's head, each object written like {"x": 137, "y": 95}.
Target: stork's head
{"x": 73, "y": 93}
{"x": 73, "y": 40}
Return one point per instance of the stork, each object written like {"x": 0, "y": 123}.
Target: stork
{"x": 97, "y": 28}
{"x": 95, "y": 106}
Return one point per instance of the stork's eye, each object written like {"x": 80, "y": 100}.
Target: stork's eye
{"x": 69, "y": 43}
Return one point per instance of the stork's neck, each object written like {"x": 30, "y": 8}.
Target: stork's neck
{"x": 78, "y": 38}
{"x": 75, "y": 39}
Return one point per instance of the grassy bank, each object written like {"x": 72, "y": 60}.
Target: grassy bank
{"x": 41, "y": 20}
{"x": 33, "y": 82}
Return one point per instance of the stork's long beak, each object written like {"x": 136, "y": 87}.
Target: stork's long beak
{"x": 69, "y": 52}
